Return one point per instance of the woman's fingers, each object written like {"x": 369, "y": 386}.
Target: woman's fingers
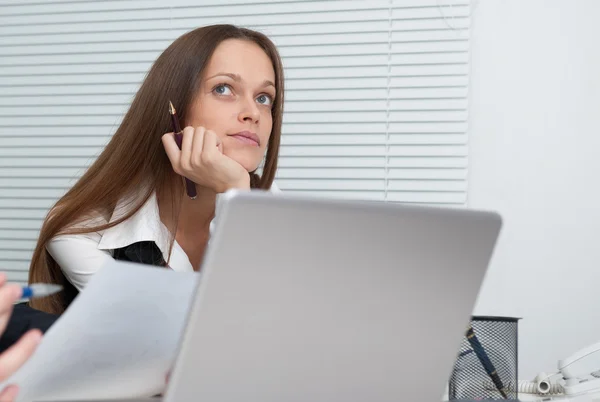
{"x": 17, "y": 354}
{"x": 9, "y": 294}
{"x": 211, "y": 150}
{"x": 198, "y": 146}
{"x": 172, "y": 150}
{"x": 202, "y": 160}
{"x": 186, "y": 148}
{"x": 9, "y": 394}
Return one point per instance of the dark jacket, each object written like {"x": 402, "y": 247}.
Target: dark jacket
{"x": 25, "y": 318}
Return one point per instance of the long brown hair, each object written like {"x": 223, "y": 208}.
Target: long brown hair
{"x": 134, "y": 162}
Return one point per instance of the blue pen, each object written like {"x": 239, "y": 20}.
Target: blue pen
{"x": 36, "y": 290}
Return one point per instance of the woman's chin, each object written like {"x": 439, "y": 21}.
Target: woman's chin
{"x": 247, "y": 161}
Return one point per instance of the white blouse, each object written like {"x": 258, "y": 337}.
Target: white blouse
{"x": 81, "y": 256}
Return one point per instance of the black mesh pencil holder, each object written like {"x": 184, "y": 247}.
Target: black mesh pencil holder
{"x": 487, "y": 363}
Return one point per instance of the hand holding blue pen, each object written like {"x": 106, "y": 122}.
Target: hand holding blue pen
{"x": 23, "y": 348}
{"x": 36, "y": 290}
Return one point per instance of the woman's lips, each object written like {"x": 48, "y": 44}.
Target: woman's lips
{"x": 247, "y": 137}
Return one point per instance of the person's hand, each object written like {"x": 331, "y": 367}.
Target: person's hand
{"x": 17, "y": 354}
{"x": 201, "y": 160}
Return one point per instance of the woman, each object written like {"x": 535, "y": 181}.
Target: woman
{"x": 227, "y": 85}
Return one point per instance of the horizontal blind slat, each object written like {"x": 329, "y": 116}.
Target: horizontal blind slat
{"x": 45, "y": 163}
{"x": 156, "y": 18}
{"x": 336, "y": 139}
{"x": 185, "y": 8}
{"x": 125, "y": 12}
{"x": 426, "y": 197}
{"x": 334, "y": 32}
{"x": 23, "y": 234}
{"x": 36, "y": 182}
{"x": 27, "y": 203}
{"x": 333, "y": 184}
{"x": 295, "y": 23}
{"x": 426, "y": 175}
{"x": 36, "y": 172}
{"x": 453, "y": 186}
{"x": 17, "y": 245}
{"x": 336, "y": 173}
{"x": 333, "y": 161}
{"x": 211, "y": 3}
{"x": 446, "y": 162}
{"x": 343, "y": 194}
{"x": 13, "y": 224}
{"x": 23, "y": 192}
{"x": 332, "y": 150}
{"x": 153, "y": 49}
{"x": 304, "y": 139}
{"x": 23, "y": 255}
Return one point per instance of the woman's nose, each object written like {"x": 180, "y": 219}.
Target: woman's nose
{"x": 249, "y": 112}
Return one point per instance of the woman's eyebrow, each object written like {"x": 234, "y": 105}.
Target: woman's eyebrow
{"x": 268, "y": 83}
{"x": 235, "y": 77}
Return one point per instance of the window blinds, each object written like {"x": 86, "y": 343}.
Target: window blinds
{"x": 376, "y": 95}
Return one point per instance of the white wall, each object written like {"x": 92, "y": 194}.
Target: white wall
{"x": 535, "y": 157}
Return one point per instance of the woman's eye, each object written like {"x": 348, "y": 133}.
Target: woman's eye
{"x": 265, "y": 100}
{"x": 222, "y": 89}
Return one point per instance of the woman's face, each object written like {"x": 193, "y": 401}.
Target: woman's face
{"x": 235, "y": 100}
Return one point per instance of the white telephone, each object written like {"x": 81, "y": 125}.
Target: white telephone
{"x": 581, "y": 371}
{"x": 578, "y": 375}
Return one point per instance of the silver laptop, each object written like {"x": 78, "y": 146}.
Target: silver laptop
{"x": 306, "y": 299}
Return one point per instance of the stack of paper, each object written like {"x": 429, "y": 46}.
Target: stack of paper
{"x": 118, "y": 339}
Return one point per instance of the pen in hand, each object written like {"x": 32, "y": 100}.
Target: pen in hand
{"x": 36, "y": 290}
{"x": 189, "y": 185}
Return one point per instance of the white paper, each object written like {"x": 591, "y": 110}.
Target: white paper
{"x": 118, "y": 338}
